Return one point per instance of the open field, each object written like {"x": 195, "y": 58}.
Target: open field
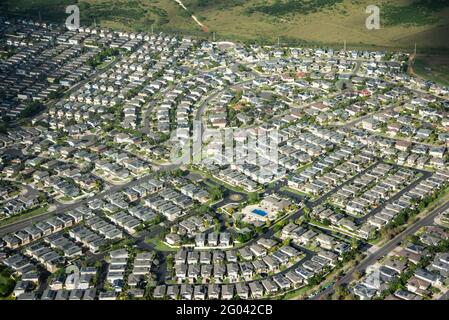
{"x": 403, "y": 22}
{"x": 435, "y": 68}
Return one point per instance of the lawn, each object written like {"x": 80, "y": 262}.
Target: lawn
{"x": 23, "y": 216}
{"x": 160, "y": 245}
{"x": 295, "y": 294}
{"x": 106, "y": 63}
{"x": 210, "y": 177}
{"x": 299, "y": 193}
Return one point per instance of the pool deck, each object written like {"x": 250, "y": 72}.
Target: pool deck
{"x": 256, "y": 212}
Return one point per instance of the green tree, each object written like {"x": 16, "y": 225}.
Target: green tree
{"x": 306, "y": 212}
{"x": 253, "y": 197}
{"x": 216, "y": 193}
{"x": 354, "y": 243}
{"x": 31, "y": 110}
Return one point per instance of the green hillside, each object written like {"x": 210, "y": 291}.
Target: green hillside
{"x": 403, "y": 22}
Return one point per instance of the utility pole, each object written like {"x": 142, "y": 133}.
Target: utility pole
{"x": 344, "y": 46}
{"x": 95, "y": 23}
{"x": 152, "y": 28}
{"x": 415, "y": 49}
{"x": 279, "y": 41}
{"x": 213, "y": 36}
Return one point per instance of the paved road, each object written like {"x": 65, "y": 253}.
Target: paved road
{"x": 64, "y": 208}
{"x": 24, "y": 223}
{"x": 215, "y": 93}
{"x": 384, "y": 250}
{"x": 95, "y": 73}
{"x": 353, "y": 123}
{"x": 445, "y": 296}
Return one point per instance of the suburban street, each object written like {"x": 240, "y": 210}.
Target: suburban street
{"x": 61, "y": 208}
{"x": 385, "y": 249}
{"x": 168, "y": 166}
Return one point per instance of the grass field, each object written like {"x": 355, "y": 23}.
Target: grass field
{"x": 160, "y": 245}
{"x": 435, "y": 68}
{"x": 403, "y": 22}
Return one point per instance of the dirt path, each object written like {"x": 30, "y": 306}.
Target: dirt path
{"x": 410, "y": 69}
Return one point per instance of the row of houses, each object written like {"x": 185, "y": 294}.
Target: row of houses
{"x": 42, "y": 229}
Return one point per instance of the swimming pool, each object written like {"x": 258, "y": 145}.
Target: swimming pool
{"x": 260, "y": 212}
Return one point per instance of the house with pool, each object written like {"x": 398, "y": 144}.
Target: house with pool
{"x": 265, "y": 210}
